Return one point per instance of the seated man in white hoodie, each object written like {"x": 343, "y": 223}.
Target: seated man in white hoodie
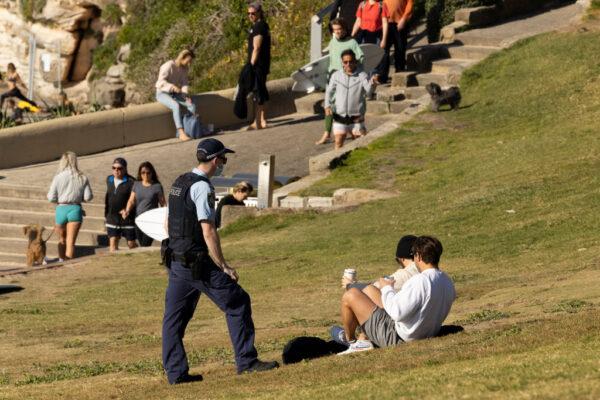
{"x": 417, "y": 311}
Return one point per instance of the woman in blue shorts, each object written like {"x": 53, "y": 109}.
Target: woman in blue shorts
{"x": 69, "y": 188}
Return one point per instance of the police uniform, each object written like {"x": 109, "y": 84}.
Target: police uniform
{"x": 192, "y": 199}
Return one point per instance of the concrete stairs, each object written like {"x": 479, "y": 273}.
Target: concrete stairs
{"x": 433, "y": 63}
{"x": 20, "y": 206}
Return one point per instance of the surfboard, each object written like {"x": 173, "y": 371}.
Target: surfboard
{"x": 152, "y": 223}
{"x": 313, "y": 76}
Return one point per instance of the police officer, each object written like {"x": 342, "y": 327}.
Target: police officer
{"x": 197, "y": 266}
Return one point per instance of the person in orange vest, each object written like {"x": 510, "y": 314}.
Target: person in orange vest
{"x": 400, "y": 12}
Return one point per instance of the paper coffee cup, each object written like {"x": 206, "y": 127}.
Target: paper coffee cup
{"x": 350, "y": 273}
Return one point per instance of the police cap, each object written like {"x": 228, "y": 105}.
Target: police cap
{"x": 211, "y": 148}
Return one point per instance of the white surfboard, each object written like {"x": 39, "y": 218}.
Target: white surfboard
{"x": 313, "y": 76}
{"x": 152, "y": 223}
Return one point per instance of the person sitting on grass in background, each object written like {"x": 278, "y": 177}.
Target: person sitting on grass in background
{"x": 346, "y": 99}
{"x": 408, "y": 269}
{"x": 118, "y": 191}
{"x": 417, "y": 311}
{"x": 340, "y": 42}
{"x": 172, "y": 89}
{"x": 241, "y": 191}
{"x": 147, "y": 194}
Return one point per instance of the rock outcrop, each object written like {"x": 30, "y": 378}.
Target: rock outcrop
{"x": 65, "y": 32}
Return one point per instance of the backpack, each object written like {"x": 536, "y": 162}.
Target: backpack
{"x": 193, "y": 126}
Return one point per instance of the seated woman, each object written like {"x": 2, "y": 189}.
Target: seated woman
{"x": 14, "y": 81}
{"x": 241, "y": 191}
{"x": 172, "y": 89}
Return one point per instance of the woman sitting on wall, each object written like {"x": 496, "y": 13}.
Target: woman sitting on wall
{"x": 172, "y": 89}
{"x": 14, "y": 80}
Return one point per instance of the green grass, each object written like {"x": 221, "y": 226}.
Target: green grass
{"x": 527, "y": 281}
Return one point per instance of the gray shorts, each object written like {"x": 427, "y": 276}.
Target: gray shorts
{"x": 381, "y": 329}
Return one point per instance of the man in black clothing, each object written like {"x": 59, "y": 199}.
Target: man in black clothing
{"x": 345, "y": 9}
{"x": 118, "y": 190}
{"x": 259, "y": 56}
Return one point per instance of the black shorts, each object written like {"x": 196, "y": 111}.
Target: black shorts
{"x": 127, "y": 232}
{"x": 261, "y": 94}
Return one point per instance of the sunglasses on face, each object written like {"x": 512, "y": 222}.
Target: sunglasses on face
{"x": 252, "y": 13}
{"x": 145, "y": 173}
{"x": 117, "y": 168}
{"x": 346, "y": 62}
{"x": 223, "y": 159}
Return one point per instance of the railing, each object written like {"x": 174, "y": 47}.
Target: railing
{"x": 316, "y": 32}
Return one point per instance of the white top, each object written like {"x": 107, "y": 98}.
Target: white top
{"x": 401, "y": 276}
{"x": 421, "y": 306}
{"x": 67, "y": 188}
{"x": 170, "y": 74}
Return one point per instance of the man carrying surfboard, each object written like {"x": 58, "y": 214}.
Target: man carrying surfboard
{"x": 196, "y": 265}
{"x": 340, "y": 42}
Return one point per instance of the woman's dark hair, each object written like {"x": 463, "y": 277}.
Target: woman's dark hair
{"x": 340, "y": 22}
{"x": 11, "y": 67}
{"x": 149, "y": 166}
{"x": 429, "y": 249}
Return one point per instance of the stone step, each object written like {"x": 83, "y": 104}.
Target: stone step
{"x": 399, "y": 106}
{"x": 9, "y": 266}
{"x": 415, "y": 92}
{"x": 23, "y": 192}
{"x": 450, "y": 65}
{"x": 45, "y": 219}
{"x": 84, "y": 237}
{"x": 440, "y": 79}
{"x": 471, "y": 38}
{"x": 378, "y": 107}
{"x": 19, "y": 246}
{"x": 404, "y": 79}
{"x": 26, "y": 204}
{"x": 389, "y": 94}
{"x": 12, "y": 258}
{"x": 475, "y": 53}
{"x": 310, "y": 104}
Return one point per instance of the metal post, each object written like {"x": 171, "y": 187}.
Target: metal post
{"x": 32, "y": 47}
{"x": 315, "y": 38}
{"x": 58, "y": 68}
{"x": 266, "y": 175}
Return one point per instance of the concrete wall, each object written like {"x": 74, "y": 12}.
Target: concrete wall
{"x": 96, "y": 132}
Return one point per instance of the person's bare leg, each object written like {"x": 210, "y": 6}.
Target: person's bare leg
{"x": 374, "y": 294}
{"x": 339, "y": 139}
{"x": 72, "y": 231}
{"x": 132, "y": 244}
{"x": 114, "y": 243}
{"x": 61, "y": 231}
{"x": 261, "y": 116}
{"x": 356, "y": 309}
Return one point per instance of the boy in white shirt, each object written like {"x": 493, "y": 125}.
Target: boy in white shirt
{"x": 417, "y": 311}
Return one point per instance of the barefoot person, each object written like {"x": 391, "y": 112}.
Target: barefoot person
{"x": 172, "y": 89}
{"x": 118, "y": 191}
{"x": 259, "y": 57}
{"x": 69, "y": 188}
{"x": 346, "y": 99}
{"x": 197, "y": 265}
{"x": 389, "y": 318}
{"x": 340, "y": 42}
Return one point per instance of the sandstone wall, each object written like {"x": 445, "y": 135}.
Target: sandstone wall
{"x": 66, "y": 33}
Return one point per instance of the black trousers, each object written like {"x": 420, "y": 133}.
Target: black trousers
{"x": 15, "y": 92}
{"x": 398, "y": 39}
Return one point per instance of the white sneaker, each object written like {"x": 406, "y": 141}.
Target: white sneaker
{"x": 356, "y": 346}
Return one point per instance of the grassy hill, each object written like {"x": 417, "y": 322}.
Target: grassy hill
{"x": 510, "y": 185}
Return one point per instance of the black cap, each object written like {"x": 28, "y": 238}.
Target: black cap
{"x": 120, "y": 160}
{"x": 211, "y": 148}
{"x": 404, "y": 249}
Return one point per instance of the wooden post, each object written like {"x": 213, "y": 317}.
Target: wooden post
{"x": 266, "y": 175}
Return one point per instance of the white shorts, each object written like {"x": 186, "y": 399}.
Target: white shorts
{"x": 342, "y": 129}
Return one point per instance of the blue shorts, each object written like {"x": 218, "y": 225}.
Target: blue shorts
{"x": 68, "y": 213}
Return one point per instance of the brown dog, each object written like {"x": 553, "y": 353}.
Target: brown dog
{"x": 36, "y": 249}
